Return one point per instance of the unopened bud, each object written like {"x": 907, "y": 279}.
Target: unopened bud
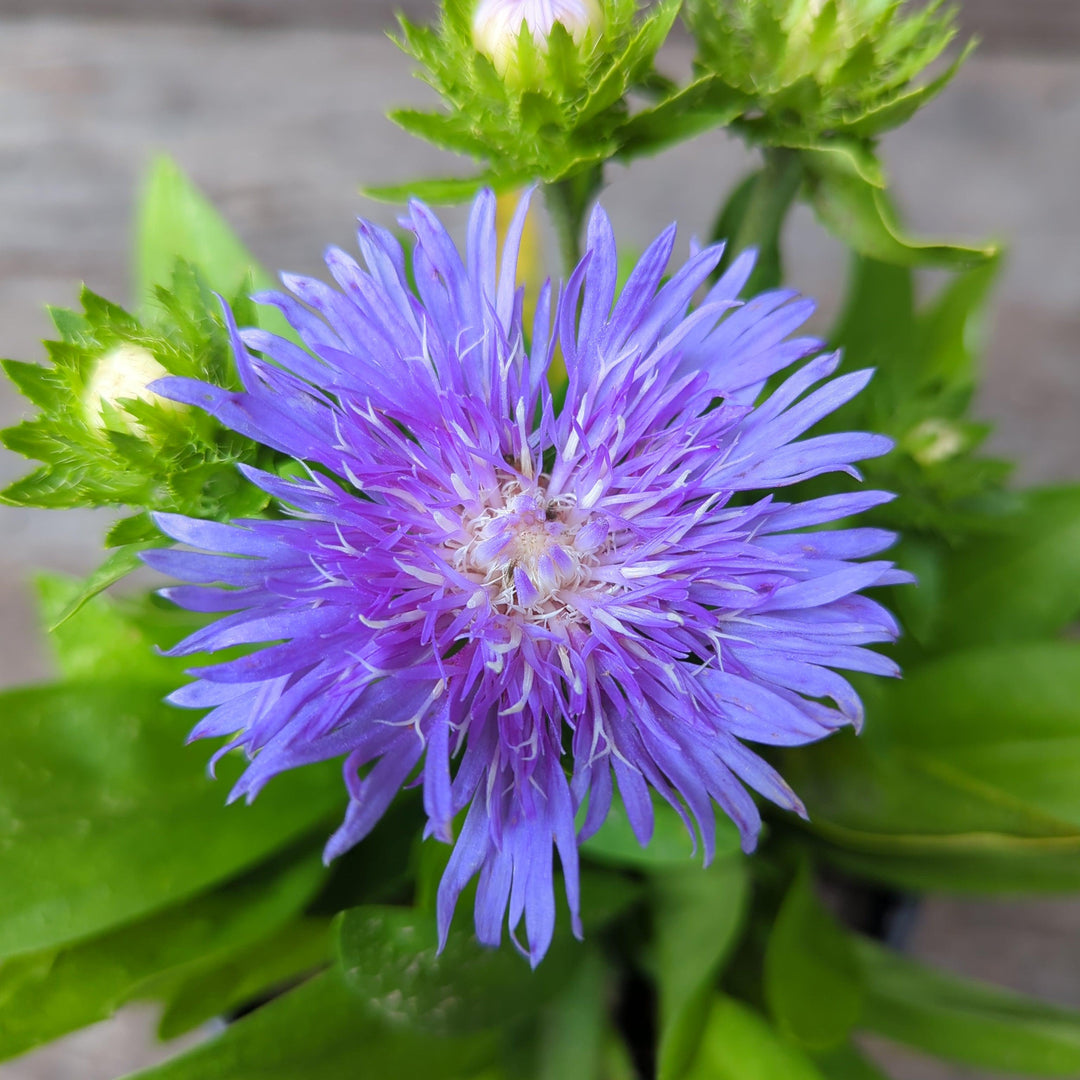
{"x": 934, "y": 441}
{"x": 123, "y": 373}
{"x": 497, "y": 24}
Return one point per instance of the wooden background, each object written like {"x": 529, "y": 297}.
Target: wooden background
{"x": 276, "y": 108}
{"x": 1005, "y": 25}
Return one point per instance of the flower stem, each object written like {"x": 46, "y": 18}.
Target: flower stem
{"x": 568, "y": 202}
{"x": 754, "y": 215}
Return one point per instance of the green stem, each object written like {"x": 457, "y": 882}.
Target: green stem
{"x": 754, "y": 216}
{"x": 568, "y": 202}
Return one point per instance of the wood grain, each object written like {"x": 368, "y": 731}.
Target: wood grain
{"x": 1005, "y": 26}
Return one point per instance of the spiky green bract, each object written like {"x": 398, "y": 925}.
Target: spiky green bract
{"x": 819, "y": 68}
{"x": 813, "y": 84}
{"x": 559, "y": 110}
{"x": 132, "y": 452}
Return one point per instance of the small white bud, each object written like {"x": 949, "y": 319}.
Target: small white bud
{"x": 497, "y": 24}
{"x": 934, "y": 441}
{"x": 121, "y": 374}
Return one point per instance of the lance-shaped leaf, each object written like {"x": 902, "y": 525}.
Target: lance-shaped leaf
{"x": 120, "y": 562}
{"x": 1022, "y": 583}
{"x": 93, "y": 776}
{"x": 393, "y": 965}
{"x": 47, "y": 994}
{"x": 245, "y": 975}
{"x": 320, "y": 1031}
{"x": 966, "y": 1021}
{"x": 176, "y": 221}
{"x": 909, "y": 819}
{"x": 671, "y": 845}
{"x": 448, "y": 190}
{"x": 688, "y": 112}
{"x": 698, "y": 916}
{"x": 848, "y": 1063}
{"x": 739, "y": 1044}
{"x": 1007, "y": 717}
{"x": 812, "y": 980}
{"x": 861, "y": 214}
{"x": 965, "y": 778}
{"x": 573, "y": 1026}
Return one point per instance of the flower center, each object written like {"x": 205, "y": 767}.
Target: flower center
{"x": 531, "y": 548}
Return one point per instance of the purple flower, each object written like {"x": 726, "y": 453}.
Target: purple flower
{"x": 517, "y": 606}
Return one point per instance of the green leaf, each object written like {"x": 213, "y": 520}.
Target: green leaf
{"x": 319, "y": 1031}
{"x": 175, "y": 220}
{"x": 671, "y": 845}
{"x": 740, "y": 1045}
{"x": 812, "y": 979}
{"x": 440, "y": 130}
{"x": 861, "y": 215}
{"x": 899, "y": 110}
{"x": 45, "y": 995}
{"x": 370, "y": 872}
{"x": 965, "y": 1021}
{"x": 572, "y": 1028}
{"x": 730, "y": 216}
{"x": 1028, "y": 868}
{"x": 698, "y": 107}
{"x": 896, "y": 799}
{"x": 844, "y": 157}
{"x": 919, "y": 609}
{"x": 35, "y": 382}
{"x": 1021, "y": 584}
{"x": 952, "y": 332}
{"x": 120, "y": 562}
{"x": 245, "y": 975}
{"x": 93, "y": 776}
{"x": 449, "y": 190}
{"x": 606, "y": 895}
{"x": 108, "y": 640}
{"x": 878, "y": 325}
{"x": 137, "y": 529}
{"x": 1006, "y": 716}
{"x": 391, "y": 961}
{"x": 698, "y": 916}
{"x": 907, "y": 818}
{"x": 847, "y": 1063}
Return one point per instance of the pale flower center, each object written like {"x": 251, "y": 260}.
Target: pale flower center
{"x": 530, "y": 549}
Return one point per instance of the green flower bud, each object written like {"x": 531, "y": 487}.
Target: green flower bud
{"x": 822, "y": 67}
{"x": 934, "y": 441}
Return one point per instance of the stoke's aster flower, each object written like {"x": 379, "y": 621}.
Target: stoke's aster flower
{"x": 518, "y": 606}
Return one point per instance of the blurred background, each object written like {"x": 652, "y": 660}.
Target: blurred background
{"x": 275, "y": 108}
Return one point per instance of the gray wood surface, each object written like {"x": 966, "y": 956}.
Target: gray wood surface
{"x": 1005, "y": 25}
{"x": 279, "y": 126}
